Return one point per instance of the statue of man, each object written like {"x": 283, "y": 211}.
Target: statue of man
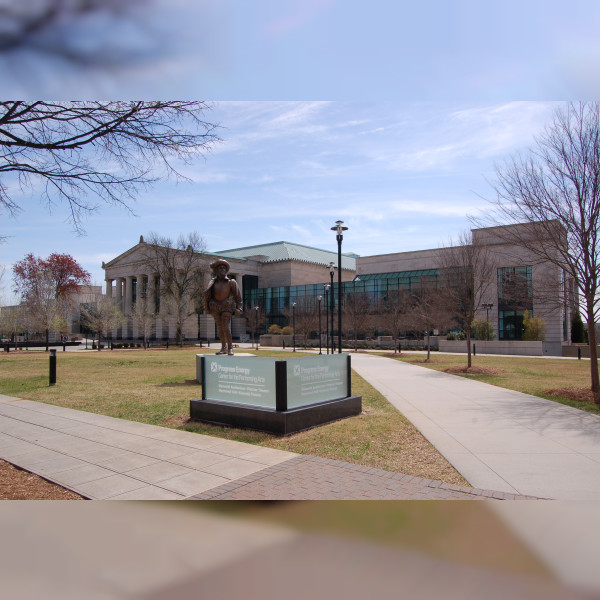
{"x": 223, "y": 299}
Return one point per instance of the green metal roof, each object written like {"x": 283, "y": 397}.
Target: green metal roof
{"x": 284, "y": 251}
{"x": 398, "y": 275}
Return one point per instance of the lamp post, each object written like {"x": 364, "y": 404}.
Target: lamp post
{"x": 319, "y": 298}
{"x": 331, "y": 272}
{"x": 255, "y": 325}
{"x": 327, "y": 286}
{"x": 294, "y": 324}
{"x": 487, "y": 306}
{"x": 339, "y": 228}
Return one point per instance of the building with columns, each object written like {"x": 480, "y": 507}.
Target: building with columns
{"x": 129, "y": 277}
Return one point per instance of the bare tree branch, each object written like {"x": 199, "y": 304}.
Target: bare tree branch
{"x": 89, "y": 153}
{"x": 553, "y": 189}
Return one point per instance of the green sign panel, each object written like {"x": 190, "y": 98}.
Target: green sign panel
{"x": 316, "y": 379}
{"x": 242, "y": 380}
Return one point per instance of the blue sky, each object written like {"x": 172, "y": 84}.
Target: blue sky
{"x": 402, "y": 176}
{"x": 386, "y": 115}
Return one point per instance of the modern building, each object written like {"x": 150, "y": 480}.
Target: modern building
{"x": 274, "y": 275}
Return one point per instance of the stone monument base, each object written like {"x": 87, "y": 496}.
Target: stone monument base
{"x": 274, "y": 421}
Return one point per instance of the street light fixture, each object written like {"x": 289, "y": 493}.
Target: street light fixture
{"x": 319, "y": 298}
{"x": 339, "y": 228}
{"x": 487, "y": 306}
{"x": 327, "y": 287}
{"x": 255, "y": 325}
{"x": 331, "y": 272}
{"x": 294, "y": 324}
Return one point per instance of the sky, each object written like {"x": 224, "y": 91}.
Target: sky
{"x": 402, "y": 176}
{"x": 389, "y": 116}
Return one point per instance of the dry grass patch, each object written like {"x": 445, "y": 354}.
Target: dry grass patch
{"x": 473, "y": 370}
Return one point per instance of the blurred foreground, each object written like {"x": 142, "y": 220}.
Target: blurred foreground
{"x": 464, "y": 550}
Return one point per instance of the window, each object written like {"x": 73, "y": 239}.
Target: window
{"x": 514, "y": 288}
{"x": 515, "y": 296}
{"x": 510, "y": 324}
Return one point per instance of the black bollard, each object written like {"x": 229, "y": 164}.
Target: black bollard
{"x": 52, "y": 367}
{"x": 579, "y": 353}
{"x": 474, "y": 350}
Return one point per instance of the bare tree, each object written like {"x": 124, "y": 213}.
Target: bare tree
{"x": 25, "y": 23}
{"x": 305, "y": 316}
{"x": 429, "y": 310}
{"x": 102, "y": 317}
{"x": 44, "y": 311}
{"x": 255, "y": 318}
{"x": 13, "y": 321}
{"x": 554, "y": 188}
{"x": 46, "y": 287}
{"x": 180, "y": 267}
{"x": 89, "y": 153}
{"x": 466, "y": 276}
{"x": 392, "y": 311}
{"x": 357, "y": 315}
{"x": 144, "y": 317}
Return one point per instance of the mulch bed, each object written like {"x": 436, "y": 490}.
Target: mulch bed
{"x": 474, "y": 370}
{"x": 576, "y": 394}
{"x": 427, "y": 360}
{"x": 17, "y": 484}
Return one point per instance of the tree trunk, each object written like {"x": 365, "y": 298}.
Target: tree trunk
{"x": 47, "y": 340}
{"x": 428, "y": 346}
{"x": 468, "y": 332}
{"x": 593, "y": 351}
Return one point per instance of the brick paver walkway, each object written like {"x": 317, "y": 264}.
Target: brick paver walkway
{"x": 315, "y": 478}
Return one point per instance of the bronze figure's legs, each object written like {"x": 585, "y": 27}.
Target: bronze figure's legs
{"x": 224, "y": 327}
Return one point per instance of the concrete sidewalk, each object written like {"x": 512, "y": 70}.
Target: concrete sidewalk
{"x": 496, "y": 438}
{"x": 102, "y": 457}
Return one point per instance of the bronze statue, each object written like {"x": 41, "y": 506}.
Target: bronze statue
{"x": 223, "y": 299}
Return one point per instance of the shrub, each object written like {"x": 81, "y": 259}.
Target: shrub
{"x": 535, "y": 328}
{"x": 287, "y": 330}
{"x": 274, "y": 329}
{"x": 482, "y": 329}
{"x": 456, "y": 335}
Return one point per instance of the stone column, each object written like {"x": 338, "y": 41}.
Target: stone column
{"x": 128, "y": 306}
{"x": 150, "y": 301}
{"x": 118, "y": 332}
{"x": 160, "y": 320}
{"x": 109, "y": 288}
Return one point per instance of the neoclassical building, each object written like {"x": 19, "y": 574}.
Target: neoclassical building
{"x": 277, "y": 265}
